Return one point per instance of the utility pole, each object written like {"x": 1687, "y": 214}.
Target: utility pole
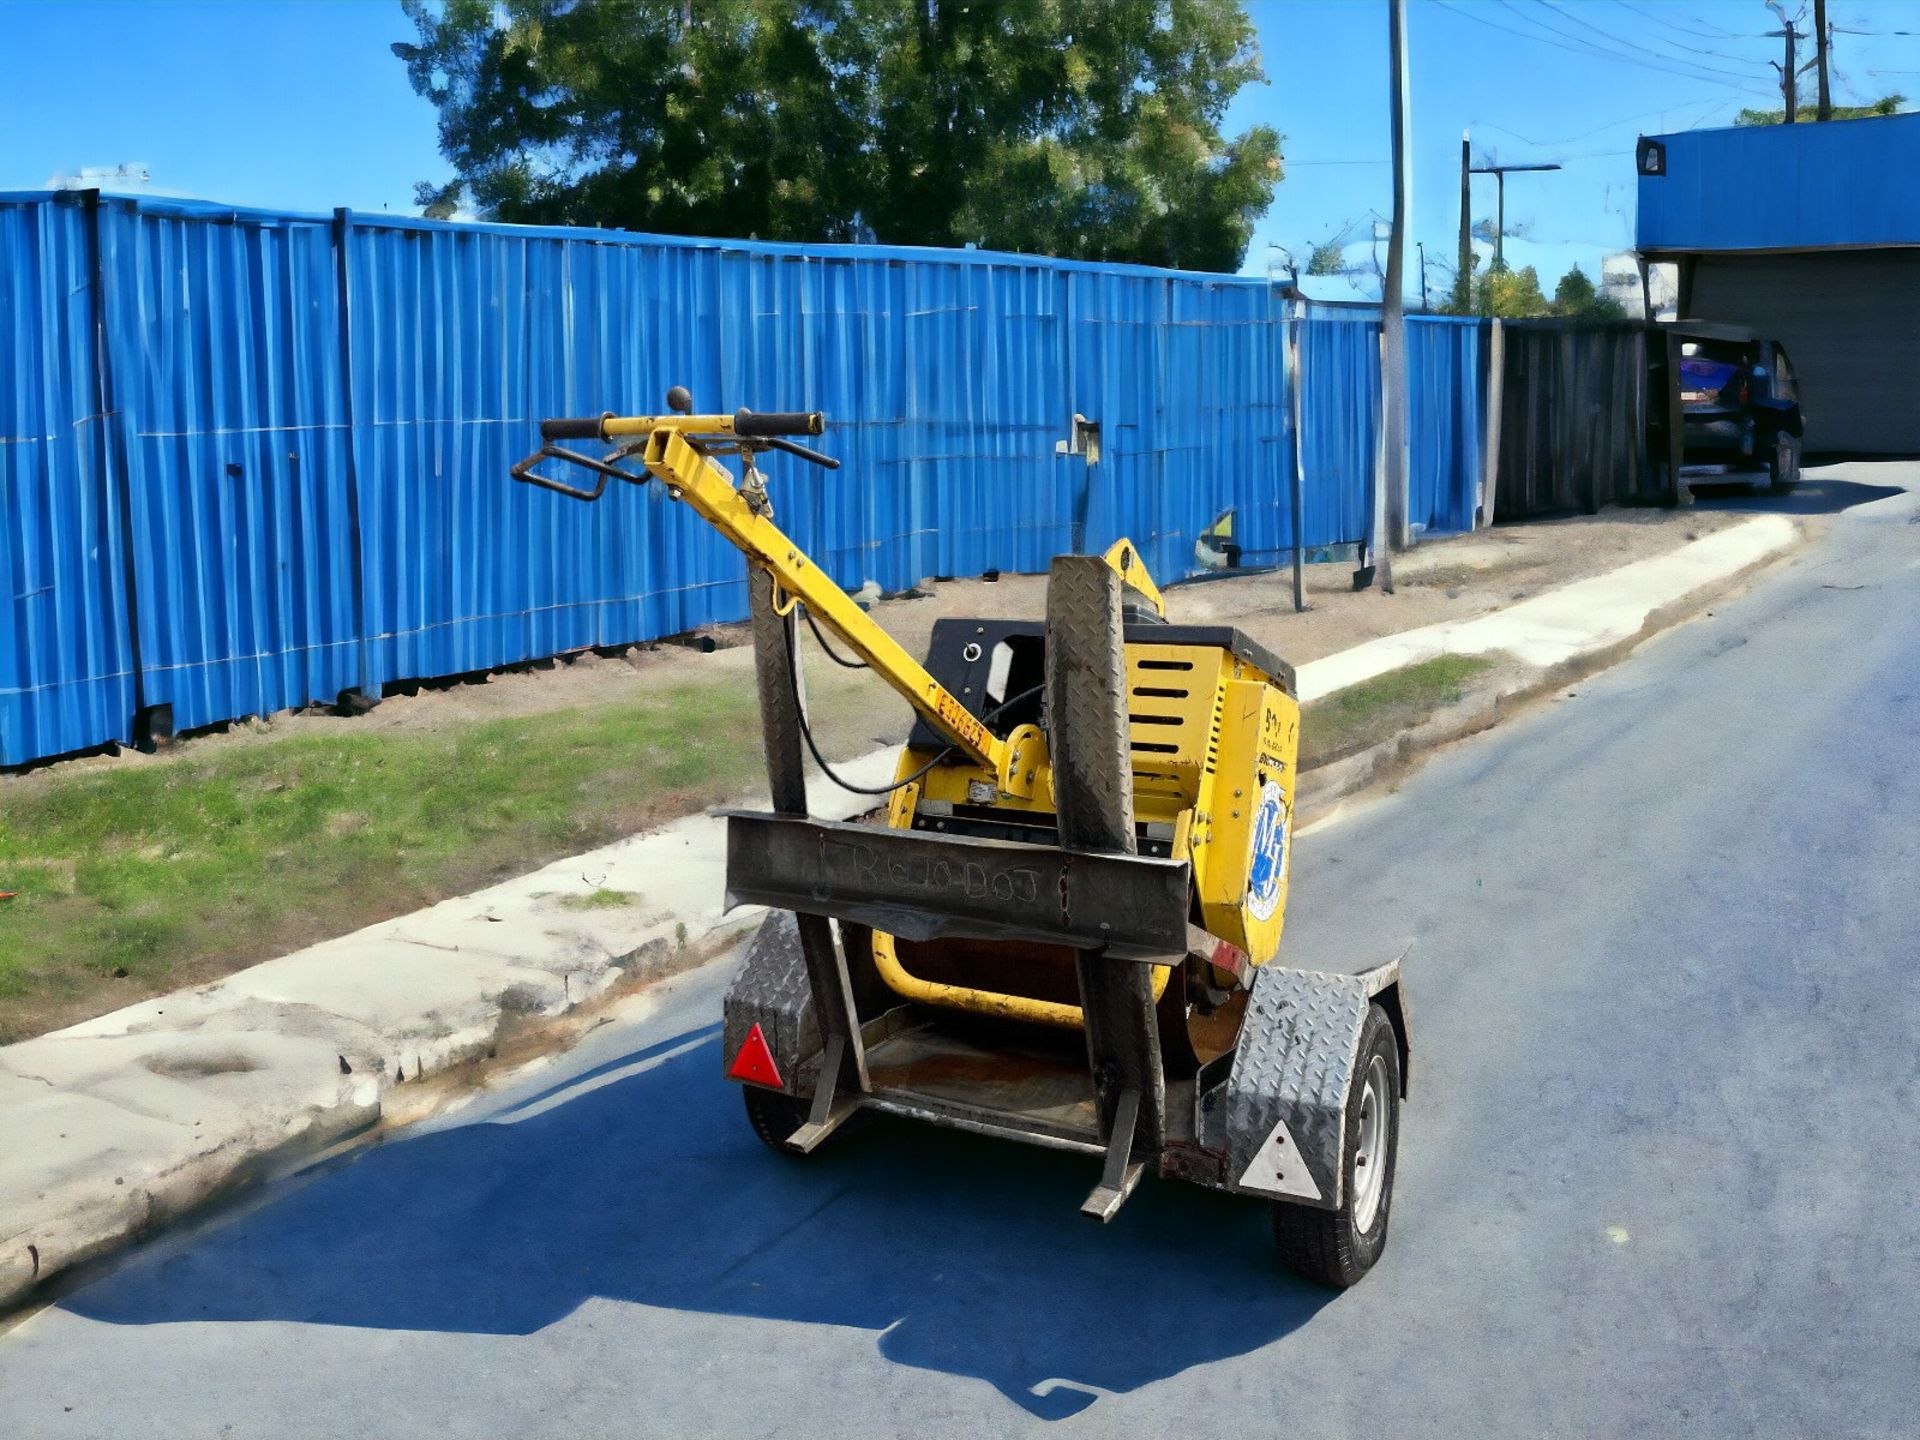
{"x": 1822, "y": 38}
{"x": 1421, "y": 246}
{"x": 1499, "y": 173}
{"x": 1464, "y": 277}
{"x": 1789, "y": 76}
{"x": 1391, "y": 511}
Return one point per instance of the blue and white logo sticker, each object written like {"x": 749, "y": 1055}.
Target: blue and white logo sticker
{"x": 1268, "y": 867}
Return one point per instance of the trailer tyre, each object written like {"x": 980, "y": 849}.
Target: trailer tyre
{"x": 1337, "y": 1247}
{"x": 774, "y": 1116}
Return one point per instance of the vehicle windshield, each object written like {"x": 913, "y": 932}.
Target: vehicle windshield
{"x": 1708, "y": 367}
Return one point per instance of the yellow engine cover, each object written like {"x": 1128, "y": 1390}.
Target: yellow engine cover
{"x": 1242, "y": 832}
{"x": 1214, "y": 741}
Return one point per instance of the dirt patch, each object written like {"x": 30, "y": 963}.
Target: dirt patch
{"x": 200, "y": 1067}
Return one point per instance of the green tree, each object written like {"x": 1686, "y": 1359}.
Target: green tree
{"x": 1086, "y": 128}
{"x": 1510, "y": 294}
{"x": 1329, "y": 256}
{"x": 1576, "y": 298}
{"x": 1804, "y": 114}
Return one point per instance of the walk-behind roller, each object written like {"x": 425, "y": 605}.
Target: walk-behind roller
{"x": 1060, "y": 928}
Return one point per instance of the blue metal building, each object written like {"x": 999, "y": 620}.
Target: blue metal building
{"x": 1808, "y": 234}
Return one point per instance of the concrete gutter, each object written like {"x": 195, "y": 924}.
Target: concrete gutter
{"x": 116, "y": 1126}
{"x": 1578, "y": 619}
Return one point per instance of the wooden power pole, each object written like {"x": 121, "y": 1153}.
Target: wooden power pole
{"x": 1789, "y": 76}
{"x": 1822, "y": 37}
{"x": 1391, "y": 507}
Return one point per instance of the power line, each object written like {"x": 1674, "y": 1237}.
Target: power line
{"x": 1606, "y": 125}
{"x": 1612, "y": 38}
{"x": 1710, "y": 33}
{"x": 1629, "y": 53}
{"x": 1586, "y": 51}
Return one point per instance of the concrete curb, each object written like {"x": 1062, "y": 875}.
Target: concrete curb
{"x": 1483, "y": 708}
{"x": 125, "y": 1123}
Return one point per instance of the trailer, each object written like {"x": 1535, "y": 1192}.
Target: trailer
{"x": 1060, "y": 924}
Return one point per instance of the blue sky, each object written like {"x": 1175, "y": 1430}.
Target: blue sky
{"x": 298, "y": 104}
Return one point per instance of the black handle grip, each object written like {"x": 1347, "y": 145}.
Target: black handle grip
{"x": 779, "y": 422}
{"x": 581, "y": 428}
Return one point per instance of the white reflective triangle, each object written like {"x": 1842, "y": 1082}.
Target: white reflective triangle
{"x": 1277, "y": 1168}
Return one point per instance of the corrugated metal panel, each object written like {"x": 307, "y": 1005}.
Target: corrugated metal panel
{"x": 943, "y": 384}
{"x": 224, "y": 344}
{"x": 1445, "y": 396}
{"x": 1187, "y": 382}
{"x": 1339, "y": 424}
{"x": 462, "y": 340}
{"x": 66, "y": 672}
{"x": 1845, "y": 182}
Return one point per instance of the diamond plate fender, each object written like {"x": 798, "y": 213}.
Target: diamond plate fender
{"x": 1295, "y": 1063}
{"x": 771, "y": 990}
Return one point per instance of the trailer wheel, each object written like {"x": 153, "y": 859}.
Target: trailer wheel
{"x": 1337, "y": 1247}
{"x": 774, "y": 1116}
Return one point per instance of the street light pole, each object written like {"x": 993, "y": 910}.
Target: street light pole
{"x": 1463, "y": 278}
{"x": 1499, "y": 173}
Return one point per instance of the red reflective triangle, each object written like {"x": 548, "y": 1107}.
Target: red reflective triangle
{"x": 755, "y": 1062}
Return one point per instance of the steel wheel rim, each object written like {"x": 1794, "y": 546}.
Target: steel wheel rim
{"x": 1370, "y": 1151}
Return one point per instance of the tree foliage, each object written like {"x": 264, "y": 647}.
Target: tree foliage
{"x": 1329, "y": 256}
{"x": 1510, "y": 294}
{"x": 1809, "y": 114}
{"x": 1087, "y": 128}
{"x": 1516, "y": 295}
{"x": 1576, "y": 298}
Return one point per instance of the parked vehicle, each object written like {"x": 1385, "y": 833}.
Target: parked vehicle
{"x": 1740, "y": 406}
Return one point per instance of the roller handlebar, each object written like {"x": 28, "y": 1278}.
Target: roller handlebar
{"x": 766, "y": 432}
{"x": 746, "y": 424}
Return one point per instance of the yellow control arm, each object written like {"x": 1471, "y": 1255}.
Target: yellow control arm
{"x": 678, "y": 451}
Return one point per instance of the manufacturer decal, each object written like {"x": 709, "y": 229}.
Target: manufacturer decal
{"x": 1267, "y": 870}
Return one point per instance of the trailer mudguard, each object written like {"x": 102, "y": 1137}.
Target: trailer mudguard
{"x": 771, "y": 990}
{"x": 1286, "y": 1095}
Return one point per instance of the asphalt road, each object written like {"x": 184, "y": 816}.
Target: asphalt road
{"x": 1658, "y": 1175}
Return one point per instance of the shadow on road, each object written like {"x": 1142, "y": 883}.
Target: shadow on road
{"x": 1813, "y": 495}
{"x": 963, "y": 1255}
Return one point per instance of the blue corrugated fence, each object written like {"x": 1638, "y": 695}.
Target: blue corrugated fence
{"x": 250, "y": 459}
{"x": 1445, "y": 395}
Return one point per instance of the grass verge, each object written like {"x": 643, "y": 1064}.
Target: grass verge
{"x": 133, "y": 881}
{"x": 130, "y": 882}
{"x": 1360, "y": 716}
